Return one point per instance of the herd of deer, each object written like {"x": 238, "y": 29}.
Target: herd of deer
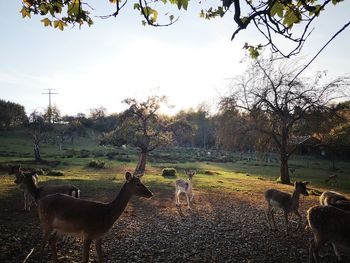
{"x": 62, "y": 212}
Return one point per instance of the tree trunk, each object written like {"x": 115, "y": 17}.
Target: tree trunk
{"x": 284, "y": 158}
{"x": 37, "y": 153}
{"x": 141, "y": 165}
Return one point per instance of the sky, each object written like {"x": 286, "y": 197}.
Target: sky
{"x": 191, "y": 62}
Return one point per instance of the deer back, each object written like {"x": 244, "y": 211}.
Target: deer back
{"x": 331, "y": 197}
{"x": 330, "y": 223}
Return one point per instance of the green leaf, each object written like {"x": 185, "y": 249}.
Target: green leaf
{"x": 46, "y": 21}
{"x": 59, "y": 24}
{"x": 73, "y": 8}
{"x": 144, "y": 23}
{"x": 25, "y": 12}
{"x": 185, "y": 4}
{"x": 137, "y": 6}
{"x": 278, "y": 9}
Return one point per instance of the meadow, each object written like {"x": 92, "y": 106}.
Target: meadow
{"x": 226, "y": 223}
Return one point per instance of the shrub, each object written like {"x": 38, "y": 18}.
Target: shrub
{"x": 96, "y": 164}
{"x": 55, "y": 173}
{"x": 169, "y": 172}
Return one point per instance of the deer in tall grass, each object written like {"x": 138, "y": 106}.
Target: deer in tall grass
{"x": 328, "y": 223}
{"x": 20, "y": 174}
{"x": 285, "y": 201}
{"x": 90, "y": 220}
{"x": 182, "y": 186}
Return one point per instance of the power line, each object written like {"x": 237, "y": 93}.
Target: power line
{"x": 50, "y": 108}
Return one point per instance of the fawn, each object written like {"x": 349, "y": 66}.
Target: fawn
{"x": 182, "y": 186}
{"x": 288, "y": 203}
{"x": 90, "y": 220}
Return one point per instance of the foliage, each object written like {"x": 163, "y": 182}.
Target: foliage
{"x": 141, "y": 126}
{"x": 11, "y": 114}
{"x": 55, "y": 173}
{"x": 276, "y": 102}
{"x": 96, "y": 164}
{"x": 171, "y": 172}
{"x": 271, "y": 18}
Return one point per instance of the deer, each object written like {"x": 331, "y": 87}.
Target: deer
{"x": 87, "y": 219}
{"x": 28, "y": 199}
{"x": 29, "y": 184}
{"x": 331, "y": 178}
{"x": 331, "y": 198}
{"x": 328, "y": 223}
{"x": 182, "y": 186}
{"x": 285, "y": 201}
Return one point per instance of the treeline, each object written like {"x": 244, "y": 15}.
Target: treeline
{"x": 228, "y": 129}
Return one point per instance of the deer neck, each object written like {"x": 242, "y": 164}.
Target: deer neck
{"x": 295, "y": 198}
{"x": 32, "y": 188}
{"x": 118, "y": 205}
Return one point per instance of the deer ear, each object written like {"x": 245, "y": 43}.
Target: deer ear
{"x": 128, "y": 176}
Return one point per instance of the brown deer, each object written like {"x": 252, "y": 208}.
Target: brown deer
{"x": 30, "y": 185}
{"x": 182, "y": 186}
{"x": 20, "y": 174}
{"x": 288, "y": 203}
{"x": 89, "y": 220}
{"x": 330, "y": 198}
{"x": 328, "y": 223}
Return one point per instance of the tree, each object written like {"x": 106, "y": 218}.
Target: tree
{"x": 38, "y": 130}
{"x": 142, "y": 126}
{"x": 11, "y": 114}
{"x": 277, "y": 104}
{"x": 52, "y": 114}
{"x": 272, "y": 18}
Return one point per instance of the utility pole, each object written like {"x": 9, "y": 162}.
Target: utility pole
{"x": 49, "y": 110}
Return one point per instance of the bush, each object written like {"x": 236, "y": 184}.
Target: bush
{"x": 55, "y": 173}
{"x": 96, "y": 164}
{"x": 169, "y": 172}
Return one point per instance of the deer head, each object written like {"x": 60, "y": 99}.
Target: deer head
{"x": 301, "y": 187}
{"x": 136, "y": 187}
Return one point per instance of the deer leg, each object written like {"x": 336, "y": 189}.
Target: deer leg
{"x": 86, "y": 250}
{"x": 188, "y": 201}
{"x": 98, "y": 248}
{"x": 299, "y": 216}
{"x": 46, "y": 237}
{"x": 273, "y": 218}
{"x": 177, "y": 201}
{"x": 286, "y": 221}
{"x": 267, "y": 213}
{"x": 311, "y": 251}
{"x": 53, "y": 245}
{"x": 336, "y": 252}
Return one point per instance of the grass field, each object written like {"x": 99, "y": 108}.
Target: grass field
{"x": 238, "y": 181}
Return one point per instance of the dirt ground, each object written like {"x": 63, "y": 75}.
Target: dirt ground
{"x": 221, "y": 227}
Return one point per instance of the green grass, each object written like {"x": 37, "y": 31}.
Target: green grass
{"x": 240, "y": 174}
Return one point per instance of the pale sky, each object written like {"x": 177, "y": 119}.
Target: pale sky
{"x": 190, "y": 62}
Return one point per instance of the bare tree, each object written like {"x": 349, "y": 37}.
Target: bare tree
{"x": 277, "y": 104}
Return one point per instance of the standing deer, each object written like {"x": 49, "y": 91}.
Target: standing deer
{"x": 91, "y": 220}
{"x": 28, "y": 199}
{"x": 182, "y": 186}
{"x": 328, "y": 223}
{"x": 288, "y": 203}
{"x": 39, "y": 192}
{"x": 330, "y": 198}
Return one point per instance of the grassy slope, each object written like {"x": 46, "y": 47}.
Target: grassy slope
{"x": 240, "y": 175}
